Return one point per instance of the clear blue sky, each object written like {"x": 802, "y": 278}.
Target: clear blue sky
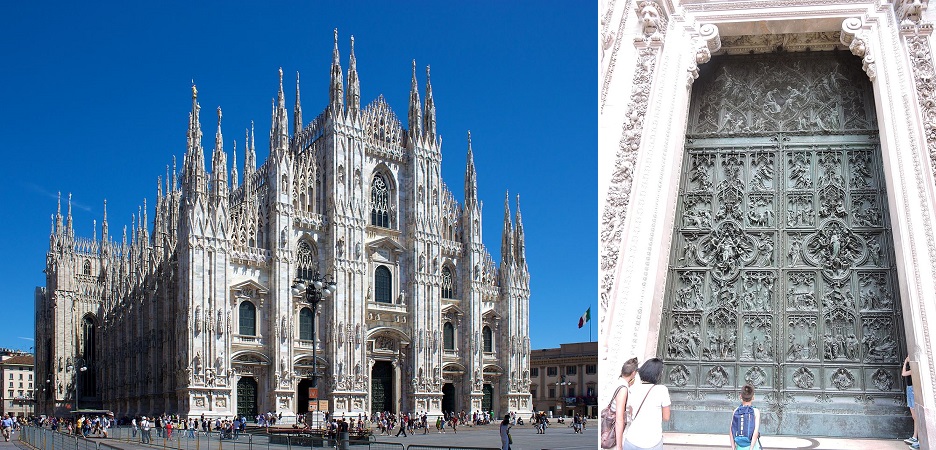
{"x": 94, "y": 98}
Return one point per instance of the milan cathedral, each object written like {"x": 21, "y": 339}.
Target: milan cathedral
{"x": 195, "y": 312}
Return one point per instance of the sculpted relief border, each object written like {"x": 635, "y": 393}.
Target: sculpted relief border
{"x": 653, "y": 25}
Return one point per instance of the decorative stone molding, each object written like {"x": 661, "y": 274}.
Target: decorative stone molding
{"x": 654, "y": 22}
{"x": 854, "y": 36}
{"x": 618, "y": 198}
{"x": 710, "y": 43}
{"x": 791, "y": 42}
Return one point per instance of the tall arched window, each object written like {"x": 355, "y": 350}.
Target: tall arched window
{"x": 86, "y": 269}
{"x": 448, "y": 286}
{"x": 305, "y": 324}
{"x": 88, "y": 336}
{"x": 488, "y": 339}
{"x": 306, "y": 262}
{"x": 247, "y": 314}
{"x": 383, "y": 284}
{"x": 448, "y": 336}
{"x": 380, "y": 202}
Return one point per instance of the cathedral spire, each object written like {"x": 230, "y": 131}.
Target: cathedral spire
{"x": 354, "y": 86}
{"x": 430, "y": 117}
{"x": 69, "y": 229}
{"x": 250, "y": 164}
{"x": 194, "y": 171}
{"x": 104, "y": 224}
{"x": 175, "y": 181}
{"x": 519, "y": 238}
{"x": 58, "y": 214}
{"x": 507, "y": 236}
{"x": 297, "y": 113}
{"x": 336, "y": 90}
{"x": 219, "y": 186}
{"x": 234, "y": 180}
{"x": 471, "y": 179}
{"x": 415, "y": 108}
{"x": 279, "y": 133}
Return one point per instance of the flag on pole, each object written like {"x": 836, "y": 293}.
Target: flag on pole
{"x": 585, "y": 317}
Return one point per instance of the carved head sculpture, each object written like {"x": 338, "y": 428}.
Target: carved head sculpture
{"x": 650, "y": 17}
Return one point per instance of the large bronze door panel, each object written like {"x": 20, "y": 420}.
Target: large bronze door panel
{"x": 781, "y": 272}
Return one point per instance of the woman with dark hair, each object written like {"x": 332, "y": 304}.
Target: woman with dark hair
{"x": 619, "y": 402}
{"x": 648, "y": 405}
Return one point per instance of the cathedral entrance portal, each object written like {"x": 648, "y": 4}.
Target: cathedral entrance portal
{"x": 781, "y": 271}
{"x": 247, "y": 397}
{"x": 382, "y": 387}
{"x": 448, "y": 397}
{"x": 487, "y": 400}
{"x": 302, "y": 394}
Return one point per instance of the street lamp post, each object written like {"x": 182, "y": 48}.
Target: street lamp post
{"x": 314, "y": 291}
{"x": 79, "y": 366}
{"x": 562, "y": 393}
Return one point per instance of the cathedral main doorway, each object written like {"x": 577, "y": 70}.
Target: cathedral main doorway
{"x": 782, "y": 272}
{"x": 382, "y": 387}
{"x": 247, "y": 397}
{"x": 302, "y": 394}
{"x": 448, "y": 397}
{"x": 487, "y": 398}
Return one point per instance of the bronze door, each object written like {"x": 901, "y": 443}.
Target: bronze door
{"x": 781, "y": 271}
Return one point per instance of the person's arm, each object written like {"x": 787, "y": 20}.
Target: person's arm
{"x": 731, "y": 435}
{"x": 665, "y": 404}
{"x": 905, "y": 368}
{"x": 756, "y": 434}
{"x": 666, "y": 413}
{"x": 621, "y": 405}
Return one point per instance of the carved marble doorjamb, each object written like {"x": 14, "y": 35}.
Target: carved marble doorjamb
{"x": 649, "y": 44}
{"x": 915, "y": 33}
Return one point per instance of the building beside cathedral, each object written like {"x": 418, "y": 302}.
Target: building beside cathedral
{"x": 769, "y": 209}
{"x": 196, "y": 314}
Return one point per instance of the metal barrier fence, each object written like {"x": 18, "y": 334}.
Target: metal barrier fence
{"x": 385, "y": 446}
{"x": 46, "y": 439}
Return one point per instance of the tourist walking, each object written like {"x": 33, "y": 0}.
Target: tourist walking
{"x": 506, "y": 440}
{"x": 650, "y": 402}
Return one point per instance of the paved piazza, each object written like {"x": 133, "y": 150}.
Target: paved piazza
{"x": 524, "y": 437}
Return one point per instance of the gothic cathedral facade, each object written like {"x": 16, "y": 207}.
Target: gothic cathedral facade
{"x": 198, "y": 314}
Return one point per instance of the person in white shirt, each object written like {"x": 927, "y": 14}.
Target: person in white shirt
{"x": 648, "y": 406}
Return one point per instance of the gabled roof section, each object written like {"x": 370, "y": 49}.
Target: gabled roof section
{"x": 491, "y": 314}
{"x": 388, "y": 243}
{"x": 250, "y": 285}
{"x": 454, "y": 309}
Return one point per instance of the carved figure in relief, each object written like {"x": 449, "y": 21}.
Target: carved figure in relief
{"x": 804, "y": 378}
{"x": 766, "y": 248}
{"x": 843, "y": 379}
{"x": 196, "y": 363}
{"x": 688, "y": 251}
{"x": 796, "y": 248}
{"x": 700, "y": 175}
{"x": 875, "y": 252}
{"x": 799, "y": 172}
{"x": 690, "y": 296}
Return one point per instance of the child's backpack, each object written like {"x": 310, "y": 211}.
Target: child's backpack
{"x": 742, "y": 425}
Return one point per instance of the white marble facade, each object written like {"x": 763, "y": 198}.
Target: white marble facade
{"x": 352, "y": 194}
{"x": 649, "y": 57}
